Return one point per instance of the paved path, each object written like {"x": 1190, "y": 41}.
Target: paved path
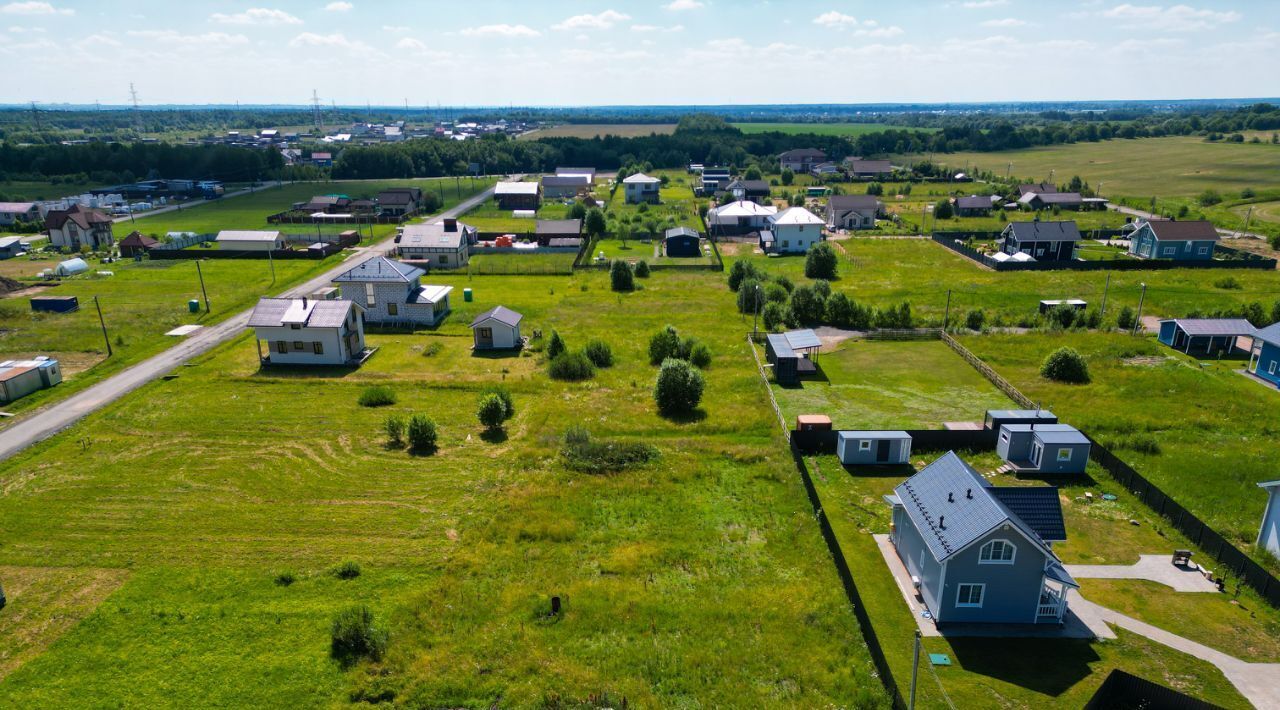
{"x": 193, "y": 205}
{"x": 1257, "y": 682}
{"x": 43, "y": 423}
{"x": 1153, "y": 568}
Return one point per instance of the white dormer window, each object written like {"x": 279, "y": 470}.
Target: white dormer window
{"x": 997, "y": 552}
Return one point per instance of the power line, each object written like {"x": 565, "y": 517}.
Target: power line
{"x": 133, "y": 96}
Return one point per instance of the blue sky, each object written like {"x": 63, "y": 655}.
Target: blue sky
{"x": 575, "y": 52}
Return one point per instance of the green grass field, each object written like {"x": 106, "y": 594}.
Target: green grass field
{"x": 593, "y": 130}
{"x": 31, "y": 190}
{"x": 697, "y": 580}
{"x": 1164, "y": 167}
{"x": 851, "y": 130}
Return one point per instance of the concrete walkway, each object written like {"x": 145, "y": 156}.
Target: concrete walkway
{"x": 1257, "y": 682}
{"x": 1153, "y": 568}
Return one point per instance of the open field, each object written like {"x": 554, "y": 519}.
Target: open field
{"x": 593, "y": 130}
{"x": 1164, "y": 167}
{"x": 698, "y": 579}
{"x": 851, "y": 130}
{"x": 32, "y": 190}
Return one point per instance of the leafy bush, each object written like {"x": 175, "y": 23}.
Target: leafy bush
{"x": 1126, "y": 318}
{"x": 354, "y": 636}
{"x": 394, "y": 426}
{"x": 582, "y": 453}
{"x": 1228, "y": 283}
{"x": 783, "y": 281}
{"x": 664, "y": 344}
{"x": 899, "y": 317}
{"x": 377, "y": 396}
{"x": 1065, "y": 365}
{"x": 821, "y": 262}
{"x": 807, "y": 305}
{"x": 620, "y": 276}
{"x": 875, "y": 188}
{"x": 492, "y": 411}
{"x": 347, "y": 570}
{"x": 432, "y": 350}
{"x": 1062, "y": 316}
{"x": 1209, "y": 198}
{"x": 503, "y": 394}
{"x": 422, "y": 434}
{"x": 642, "y": 269}
{"x": 1247, "y": 193}
{"x": 750, "y": 296}
{"x": 678, "y": 389}
{"x": 943, "y": 210}
{"x": 774, "y": 316}
{"x": 599, "y": 353}
{"x": 740, "y": 271}
{"x": 284, "y": 579}
{"x": 571, "y": 367}
{"x": 776, "y": 293}
{"x": 974, "y": 320}
{"x": 555, "y": 345}
{"x": 700, "y": 355}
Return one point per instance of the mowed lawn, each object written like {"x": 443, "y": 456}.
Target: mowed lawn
{"x": 1145, "y": 167}
{"x": 697, "y": 580}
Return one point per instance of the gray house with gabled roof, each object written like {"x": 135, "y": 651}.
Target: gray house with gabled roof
{"x": 497, "y": 329}
{"x": 390, "y": 292}
{"x": 1043, "y": 448}
{"x": 1046, "y": 241}
{"x": 978, "y": 553}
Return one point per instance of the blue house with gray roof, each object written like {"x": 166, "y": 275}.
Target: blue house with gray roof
{"x": 1264, "y": 356}
{"x": 979, "y": 553}
{"x": 1043, "y": 448}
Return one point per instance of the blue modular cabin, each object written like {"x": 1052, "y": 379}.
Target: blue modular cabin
{"x": 873, "y": 447}
{"x": 682, "y": 242}
{"x": 1043, "y": 448}
{"x": 997, "y": 418}
{"x": 1046, "y": 241}
{"x": 1204, "y": 336}
{"x": 979, "y": 553}
{"x": 1169, "y": 239}
{"x": 1264, "y": 356}
{"x": 790, "y": 354}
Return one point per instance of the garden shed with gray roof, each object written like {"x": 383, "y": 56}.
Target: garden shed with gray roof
{"x": 497, "y": 329}
{"x": 1204, "y": 336}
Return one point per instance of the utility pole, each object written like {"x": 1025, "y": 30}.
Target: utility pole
{"x": 202, "y": 288}
{"x": 915, "y": 670}
{"x": 1247, "y": 217}
{"x": 102, "y": 323}
{"x": 1105, "y": 290}
{"x": 755, "y": 325}
{"x": 272, "y": 263}
{"x": 946, "y": 318}
{"x": 1137, "y": 322}
{"x": 1008, "y": 170}
{"x": 133, "y": 96}
{"x": 315, "y": 111}
{"x": 35, "y": 116}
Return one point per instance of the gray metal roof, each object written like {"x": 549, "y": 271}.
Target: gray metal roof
{"x": 1051, "y": 433}
{"x": 869, "y": 434}
{"x": 1038, "y": 506}
{"x": 272, "y": 312}
{"x": 949, "y": 525}
{"x": 778, "y": 343}
{"x": 1021, "y": 414}
{"x": 1058, "y": 573}
{"x": 502, "y": 314}
{"x": 1044, "y": 231}
{"x": 1269, "y": 334}
{"x": 853, "y": 202}
{"x": 558, "y": 226}
{"x": 1213, "y": 326}
{"x": 380, "y": 269}
{"x": 974, "y": 202}
{"x": 680, "y": 232}
{"x": 802, "y": 339}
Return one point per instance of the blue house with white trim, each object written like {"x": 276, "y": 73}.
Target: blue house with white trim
{"x": 1043, "y": 448}
{"x": 1264, "y": 356}
{"x": 1208, "y": 336}
{"x": 1170, "y": 239}
{"x": 979, "y": 553}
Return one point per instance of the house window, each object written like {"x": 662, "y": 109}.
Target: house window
{"x": 393, "y": 309}
{"x": 864, "y": 445}
{"x": 295, "y": 326}
{"x": 485, "y": 333}
{"x": 1004, "y": 436}
{"x": 444, "y": 259}
{"x": 369, "y": 298}
{"x": 970, "y": 595}
{"x": 317, "y": 348}
{"x": 282, "y": 347}
{"x": 299, "y": 345}
{"x": 1204, "y": 251}
{"x": 1271, "y": 368}
{"x": 1064, "y": 455}
{"x": 786, "y": 243}
{"x": 1168, "y": 251}
{"x": 997, "y": 552}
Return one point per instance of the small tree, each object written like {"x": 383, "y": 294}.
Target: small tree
{"x": 975, "y": 319}
{"x": 620, "y": 276}
{"x": 875, "y": 188}
{"x": 1065, "y": 365}
{"x": 700, "y": 355}
{"x": 821, "y": 262}
{"x": 642, "y": 269}
{"x": 748, "y": 297}
{"x": 354, "y": 636}
{"x": 599, "y": 353}
{"x": 664, "y": 344}
{"x": 504, "y": 394}
{"x": 1126, "y": 318}
{"x": 492, "y": 411}
{"x": 943, "y": 210}
{"x": 571, "y": 367}
{"x": 807, "y": 306}
{"x": 752, "y": 173}
{"x": 788, "y": 176}
{"x": 394, "y": 427}
{"x": 774, "y": 315}
{"x": 678, "y": 389}
{"x": 555, "y": 345}
{"x": 742, "y": 270}
{"x": 596, "y": 223}
{"x": 422, "y": 434}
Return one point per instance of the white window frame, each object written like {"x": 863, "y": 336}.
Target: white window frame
{"x": 1271, "y": 367}
{"x": 1204, "y": 250}
{"x": 369, "y": 295}
{"x": 986, "y": 554}
{"x": 1065, "y": 450}
{"x": 982, "y": 595}
{"x": 864, "y": 445}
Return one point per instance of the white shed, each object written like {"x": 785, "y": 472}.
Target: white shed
{"x": 497, "y": 329}
{"x": 249, "y": 240}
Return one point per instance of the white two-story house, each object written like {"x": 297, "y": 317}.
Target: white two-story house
{"x": 391, "y": 292}
{"x": 302, "y": 331}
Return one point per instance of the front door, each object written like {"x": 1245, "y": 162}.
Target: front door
{"x": 484, "y": 337}
{"x": 882, "y": 451}
{"x": 1037, "y": 451}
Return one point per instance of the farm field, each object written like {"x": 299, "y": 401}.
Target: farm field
{"x": 208, "y": 486}
{"x": 851, "y": 130}
{"x": 33, "y": 190}
{"x": 593, "y": 130}
{"x": 1140, "y": 168}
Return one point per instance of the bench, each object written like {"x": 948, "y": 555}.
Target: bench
{"x": 1182, "y": 558}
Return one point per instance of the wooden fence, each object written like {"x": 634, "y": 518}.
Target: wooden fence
{"x": 994, "y": 377}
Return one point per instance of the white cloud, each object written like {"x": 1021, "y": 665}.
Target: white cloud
{"x": 1006, "y": 22}
{"x": 338, "y": 7}
{"x": 657, "y": 28}
{"x": 502, "y": 30}
{"x": 395, "y": 29}
{"x": 835, "y": 19}
{"x": 680, "y": 5}
{"x": 175, "y": 37}
{"x": 34, "y": 8}
{"x": 337, "y": 40}
{"x": 411, "y": 45}
{"x": 981, "y": 4}
{"x": 99, "y": 39}
{"x": 1178, "y": 18}
{"x": 891, "y": 31}
{"x": 18, "y": 29}
{"x": 601, "y": 21}
{"x": 256, "y": 16}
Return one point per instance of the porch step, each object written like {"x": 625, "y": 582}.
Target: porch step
{"x": 1003, "y": 469}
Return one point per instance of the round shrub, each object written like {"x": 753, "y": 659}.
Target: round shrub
{"x": 347, "y": 570}
{"x": 492, "y": 411}
{"x": 1065, "y": 365}
{"x": 503, "y": 394}
{"x": 975, "y": 319}
{"x": 394, "y": 427}
{"x": 678, "y": 389}
{"x": 599, "y": 353}
{"x": 774, "y": 316}
{"x": 642, "y": 269}
{"x": 571, "y": 367}
{"x": 1126, "y": 318}
{"x": 821, "y": 262}
{"x": 700, "y": 355}
{"x": 664, "y": 344}
{"x": 377, "y": 396}
{"x": 355, "y": 636}
{"x": 621, "y": 277}
{"x": 555, "y": 345}
{"x": 742, "y": 270}
{"x": 422, "y": 433}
